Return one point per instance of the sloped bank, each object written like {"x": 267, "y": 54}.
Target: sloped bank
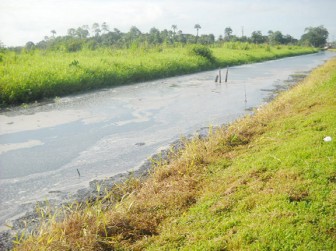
{"x": 40, "y": 212}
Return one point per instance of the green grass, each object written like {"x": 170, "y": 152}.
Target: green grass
{"x": 265, "y": 182}
{"x": 32, "y": 76}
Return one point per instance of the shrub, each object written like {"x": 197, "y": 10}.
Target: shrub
{"x": 202, "y": 51}
{"x": 74, "y": 45}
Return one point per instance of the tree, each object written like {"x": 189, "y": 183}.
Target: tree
{"x": 29, "y": 45}
{"x": 180, "y": 37}
{"x": 166, "y": 36}
{"x": 288, "y": 39}
{"x": 275, "y": 37}
{"x": 207, "y": 39}
{"x": 74, "y": 45}
{"x": 257, "y": 37}
{"x": 85, "y": 27}
{"x": 96, "y": 29}
{"x": 197, "y": 27}
{"x": 132, "y": 36}
{"x": 105, "y": 27}
{"x": 315, "y": 36}
{"x": 53, "y": 32}
{"x": 154, "y": 36}
{"x": 174, "y": 28}
{"x": 42, "y": 45}
{"x": 82, "y": 32}
{"x": 134, "y": 32}
{"x": 227, "y": 33}
{"x": 111, "y": 38}
{"x": 71, "y": 32}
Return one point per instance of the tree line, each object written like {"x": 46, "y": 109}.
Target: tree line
{"x": 100, "y": 35}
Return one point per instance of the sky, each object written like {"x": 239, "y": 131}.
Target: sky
{"x": 31, "y": 20}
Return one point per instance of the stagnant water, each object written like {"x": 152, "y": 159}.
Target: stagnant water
{"x": 111, "y": 131}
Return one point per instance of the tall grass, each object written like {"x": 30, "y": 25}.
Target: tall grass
{"x": 266, "y": 182}
{"x": 34, "y": 75}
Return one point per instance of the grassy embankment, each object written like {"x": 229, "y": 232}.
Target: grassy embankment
{"x": 31, "y": 76}
{"x": 266, "y": 182}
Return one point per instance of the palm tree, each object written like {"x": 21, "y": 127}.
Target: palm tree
{"x": 174, "y": 27}
{"x": 53, "y": 32}
{"x": 197, "y": 27}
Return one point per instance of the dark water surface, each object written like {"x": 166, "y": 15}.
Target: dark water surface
{"x": 114, "y": 130}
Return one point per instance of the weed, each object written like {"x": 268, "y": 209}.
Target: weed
{"x": 74, "y": 63}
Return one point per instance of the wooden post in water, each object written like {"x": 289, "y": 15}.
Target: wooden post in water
{"x": 220, "y": 76}
{"x": 227, "y": 73}
{"x": 245, "y": 94}
{"x": 216, "y": 80}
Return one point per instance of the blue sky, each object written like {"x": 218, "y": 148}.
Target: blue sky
{"x": 31, "y": 20}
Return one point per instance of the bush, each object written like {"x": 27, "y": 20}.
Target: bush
{"x": 203, "y": 51}
{"x": 74, "y": 45}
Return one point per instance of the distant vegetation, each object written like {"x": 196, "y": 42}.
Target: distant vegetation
{"x": 98, "y": 36}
